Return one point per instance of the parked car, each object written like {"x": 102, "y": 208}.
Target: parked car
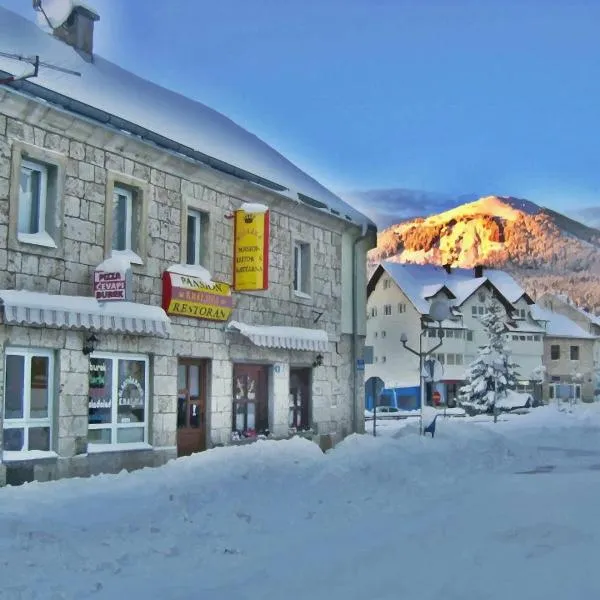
{"x": 388, "y": 412}
{"x": 512, "y": 402}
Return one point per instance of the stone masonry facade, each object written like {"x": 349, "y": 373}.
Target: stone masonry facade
{"x": 89, "y": 157}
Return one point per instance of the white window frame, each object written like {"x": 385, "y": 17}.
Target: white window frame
{"x": 128, "y": 195}
{"x": 298, "y": 265}
{"x": 199, "y": 219}
{"x": 42, "y": 169}
{"x": 26, "y": 423}
{"x": 114, "y": 425}
{"x": 387, "y": 310}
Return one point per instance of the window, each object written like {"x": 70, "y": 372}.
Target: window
{"x": 126, "y": 229}
{"x": 441, "y": 358}
{"x": 383, "y": 359}
{"x": 450, "y": 359}
{"x": 449, "y": 333}
{"x": 383, "y": 334}
{"x": 401, "y": 307}
{"x": 302, "y": 268}
{"x": 459, "y": 359}
{"x": 536, "y": 338}
{"x": 195, "y": 247}
{"x": 474, "y": 311}
{"x": 376, "y": 334}
{"x": 469, "y": 336}
{"x": 387, "y": 309}
{"x": 432, "y": 333}
{"x": 373, "y": 311}
{"x": 118, "y": 399}
{"x": 386, "y": 284}
{"x": 33, "y": 188}
{"x": 481, "y": 310}
{"x": 28, "y": 396}
{"x": 574, "y": 352}
{"x": 555, "y": 352}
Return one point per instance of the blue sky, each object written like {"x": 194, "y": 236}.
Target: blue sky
{"x": 458, "y": 96}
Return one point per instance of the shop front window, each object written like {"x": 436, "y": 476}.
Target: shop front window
{"x": 250, "y": 402}
{"x": 28, "y": 393}
{"x": 118, "y": 399}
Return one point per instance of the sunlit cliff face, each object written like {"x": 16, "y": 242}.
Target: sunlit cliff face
{"x": 546, "y": 250}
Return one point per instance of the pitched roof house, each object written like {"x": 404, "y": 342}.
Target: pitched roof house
{"x": 168, "y": 281}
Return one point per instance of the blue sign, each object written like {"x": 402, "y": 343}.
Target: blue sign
{"x": 360, "y": 364}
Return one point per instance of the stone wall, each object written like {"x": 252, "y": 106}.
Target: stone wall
{"x": 94, "y": 158}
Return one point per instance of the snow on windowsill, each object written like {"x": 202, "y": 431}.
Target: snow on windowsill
{"x": 254, "y": 208}
{"x": 100, "y": 448}
{"x": 302, "y": 295}
{"x": 11, "y": 455}
{"x": 192, "y": 271}
{"x": 128, "y": 255}
{"x": 37, "y": 239}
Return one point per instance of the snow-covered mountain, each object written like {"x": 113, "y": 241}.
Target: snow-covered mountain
{"x": 546, "y": 250}
{"x": 389, "y": 206}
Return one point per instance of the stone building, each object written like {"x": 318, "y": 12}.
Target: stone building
{"x": 123, "y": 340}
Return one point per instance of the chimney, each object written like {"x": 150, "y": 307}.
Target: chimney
{"x": 447, "y": 268}
{"x": 478, "y": 271}
{"x": 78, "y": 30}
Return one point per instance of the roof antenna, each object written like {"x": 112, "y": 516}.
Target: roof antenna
{"x": 36, "y": 63}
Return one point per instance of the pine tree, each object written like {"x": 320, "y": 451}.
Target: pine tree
{"x": 492, "y": 373}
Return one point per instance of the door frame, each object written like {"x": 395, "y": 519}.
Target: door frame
{"x": 202, "y": 363}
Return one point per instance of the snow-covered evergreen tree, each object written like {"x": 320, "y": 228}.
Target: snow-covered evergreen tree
{"x": 492, "y": 373}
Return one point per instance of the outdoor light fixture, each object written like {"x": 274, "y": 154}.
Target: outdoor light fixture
{"x": 318, "y": 362}
{"x": 90, "y": 344}
{"x": 439, "y": 311}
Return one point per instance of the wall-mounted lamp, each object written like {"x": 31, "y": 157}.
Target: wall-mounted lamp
{"x": 90, "y": 344}
{"x": 318, "y": 362}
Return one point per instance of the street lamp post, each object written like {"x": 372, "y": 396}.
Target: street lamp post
{"x": 439, "y": 311}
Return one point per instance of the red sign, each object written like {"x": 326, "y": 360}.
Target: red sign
{"x": 110, "y": 286}
{"x": 436, "y": 397}
{"x": 189, "y": 296}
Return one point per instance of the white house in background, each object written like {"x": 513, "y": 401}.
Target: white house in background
{"x": 237, "y": 282}
{"x": 568, "y": 356}
{"x": 399, "y": 297}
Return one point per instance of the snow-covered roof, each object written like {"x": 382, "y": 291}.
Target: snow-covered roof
{"x": 418, "y": 281}
{"x": 167, "y": 115}
{"x": 559, "y": 325}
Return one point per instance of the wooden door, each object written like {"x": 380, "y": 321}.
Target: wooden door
{"x": 250, "y": 400}
{"x": 299, "y": 405}
{"x": 191, "y": 407}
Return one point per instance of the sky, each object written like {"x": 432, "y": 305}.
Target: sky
{"x": 453, "y": 96}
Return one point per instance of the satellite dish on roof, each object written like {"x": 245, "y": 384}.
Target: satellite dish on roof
{"x": 53, "y": 12}
{"x": 439, "y": 310}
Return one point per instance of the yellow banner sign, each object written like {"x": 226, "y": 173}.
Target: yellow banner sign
{"x": 251, "y": 251}
{"x": 191, "y": 297}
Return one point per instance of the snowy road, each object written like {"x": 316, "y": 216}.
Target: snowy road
{"x": 483, "y": 511}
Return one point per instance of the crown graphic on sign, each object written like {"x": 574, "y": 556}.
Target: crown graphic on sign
{"x": 248, "y": 218}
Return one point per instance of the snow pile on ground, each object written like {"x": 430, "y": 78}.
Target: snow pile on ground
{"x": 483, "y": 510}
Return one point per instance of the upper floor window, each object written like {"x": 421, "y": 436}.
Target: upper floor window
{"x": 126, "y": 218}
{"x": 469, "y": 336}
{"x": 387, "y": 309}
{"x": 386, "y": 284}
{"x": 33, "y": 189}
{"x": 302, "y": 268}
{"x": 373, "y": 311}
{"x": 28, "y": 394}
{"x": 574, "y": 352}
{"x": 195, "y": 242}
{"x": 401, "y": 307}
{"x": 555, "y": 352}
{"x": 383, "y": 334}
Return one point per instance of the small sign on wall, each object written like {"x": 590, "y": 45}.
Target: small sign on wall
{"x": 113, "y": 281}
{"x": 251, "y": 248}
